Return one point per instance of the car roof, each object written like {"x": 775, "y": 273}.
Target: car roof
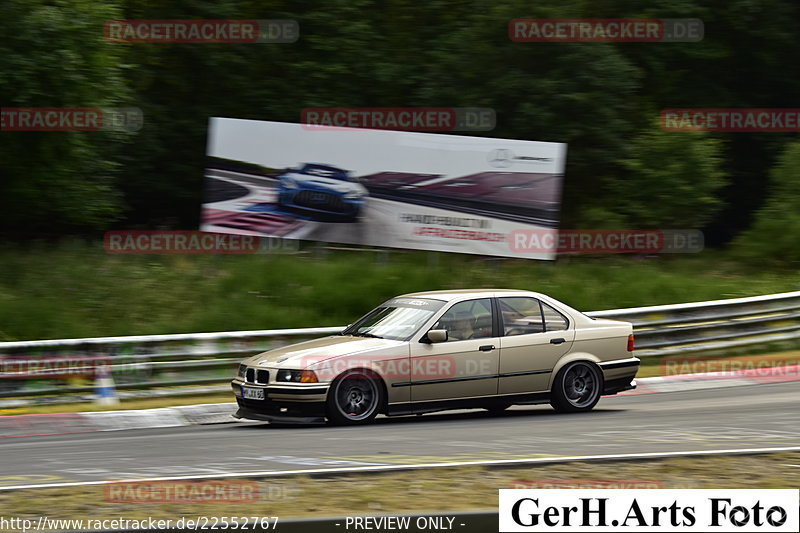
{"x": 323, "y": 166}
{"x": 460, "y": 294}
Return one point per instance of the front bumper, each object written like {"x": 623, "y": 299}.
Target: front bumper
{"x": 334, "y": 205}
{"x": 304, "y": 405}
{"x": 283, "y": 418}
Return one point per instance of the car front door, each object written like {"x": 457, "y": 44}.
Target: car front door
{"x": 535, "y": 336}
{"x": 464, "y": 366}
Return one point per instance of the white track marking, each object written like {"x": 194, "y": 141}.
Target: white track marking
{"x": 389, "y": 468}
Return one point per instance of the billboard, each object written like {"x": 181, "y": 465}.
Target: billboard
{"x": 397, "y": 189}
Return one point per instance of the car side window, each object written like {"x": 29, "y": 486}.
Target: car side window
{"x": 553, "y": 320}
{"x": 467, "y": 320}
{"x": 521, "y": 315}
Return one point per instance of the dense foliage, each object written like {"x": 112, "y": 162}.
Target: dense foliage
{"x": 602, "y": 99}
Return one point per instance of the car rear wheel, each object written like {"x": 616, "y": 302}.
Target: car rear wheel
{"x": 577, "y": 387}
{"x": 355, "y": 397}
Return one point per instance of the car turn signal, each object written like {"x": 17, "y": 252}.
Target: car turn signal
{"x": 308, "y": 376}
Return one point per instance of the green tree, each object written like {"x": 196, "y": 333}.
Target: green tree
{"x": 775, "y": 234}
{"x": 747, "y": 59}
{"x": 53, "y": 55}
{"x": 373, "y": 53}
{"x": 580, "y": 94}
{"x": 670, "y": 180}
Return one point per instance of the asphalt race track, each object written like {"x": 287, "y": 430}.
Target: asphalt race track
{"x": 762, "y": 416}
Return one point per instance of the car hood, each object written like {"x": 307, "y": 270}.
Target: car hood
{"x": 317, "y": 182}
{"x": 307, "y": 354}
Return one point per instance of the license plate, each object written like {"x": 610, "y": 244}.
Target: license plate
{"x": 250, "y": 393}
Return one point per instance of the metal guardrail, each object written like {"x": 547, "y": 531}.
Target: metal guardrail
{"x": 208, "y": 359}
{"x": 713, "y": 325}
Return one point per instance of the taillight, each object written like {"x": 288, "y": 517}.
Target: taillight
{"x": 630, "y": 342}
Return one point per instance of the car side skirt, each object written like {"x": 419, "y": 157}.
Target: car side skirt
{"x": 408, "y": 408}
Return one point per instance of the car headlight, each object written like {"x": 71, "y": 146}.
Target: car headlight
{"x": 297, "y": 376}
{"x": 242, "y": 371}
{"x": 352, "y": 195}
{"x": 289, "y": 183}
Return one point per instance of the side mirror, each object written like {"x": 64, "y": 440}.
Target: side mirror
{"x": 437, "y": 335}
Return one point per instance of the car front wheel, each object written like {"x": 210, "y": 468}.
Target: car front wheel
{"x": 577, "y": 387}
{"x": 355, "y": 397}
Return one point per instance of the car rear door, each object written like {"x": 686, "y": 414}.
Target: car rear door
{"x": 534, "y": 336}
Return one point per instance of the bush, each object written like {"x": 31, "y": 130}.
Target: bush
{"x": 775, "y": 234}
{"x": 671, "y": 180}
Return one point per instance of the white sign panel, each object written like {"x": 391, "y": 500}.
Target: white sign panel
{"x": 639, "y": 511}
{"x": 380, "y": 188}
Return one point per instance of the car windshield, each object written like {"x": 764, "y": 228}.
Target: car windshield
{"x": 324, "y": 172}
{"x": 397, "y": 319}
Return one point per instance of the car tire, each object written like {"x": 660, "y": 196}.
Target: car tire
{"x": 577, "y": 387}
{"x": 355, "y": 397}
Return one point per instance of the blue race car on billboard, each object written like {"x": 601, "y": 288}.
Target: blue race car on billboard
{"x": 321, "y": 191}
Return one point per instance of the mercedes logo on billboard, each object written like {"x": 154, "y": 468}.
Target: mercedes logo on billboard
{"x": 501, "y": 157}
{"x": 504, "y": 158}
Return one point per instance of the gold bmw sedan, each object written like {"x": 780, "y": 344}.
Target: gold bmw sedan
{"x": 432, "y": 351}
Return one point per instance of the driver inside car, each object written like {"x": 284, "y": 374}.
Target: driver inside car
{"x": 460, "y": 328}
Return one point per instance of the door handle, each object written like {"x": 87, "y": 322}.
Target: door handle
{"x": 557, "y": 341}
{"x": 487, "y": 348}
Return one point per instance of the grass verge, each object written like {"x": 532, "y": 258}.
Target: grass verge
{"x": 402, "y": 492}
{"x": 77, "y": 290}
